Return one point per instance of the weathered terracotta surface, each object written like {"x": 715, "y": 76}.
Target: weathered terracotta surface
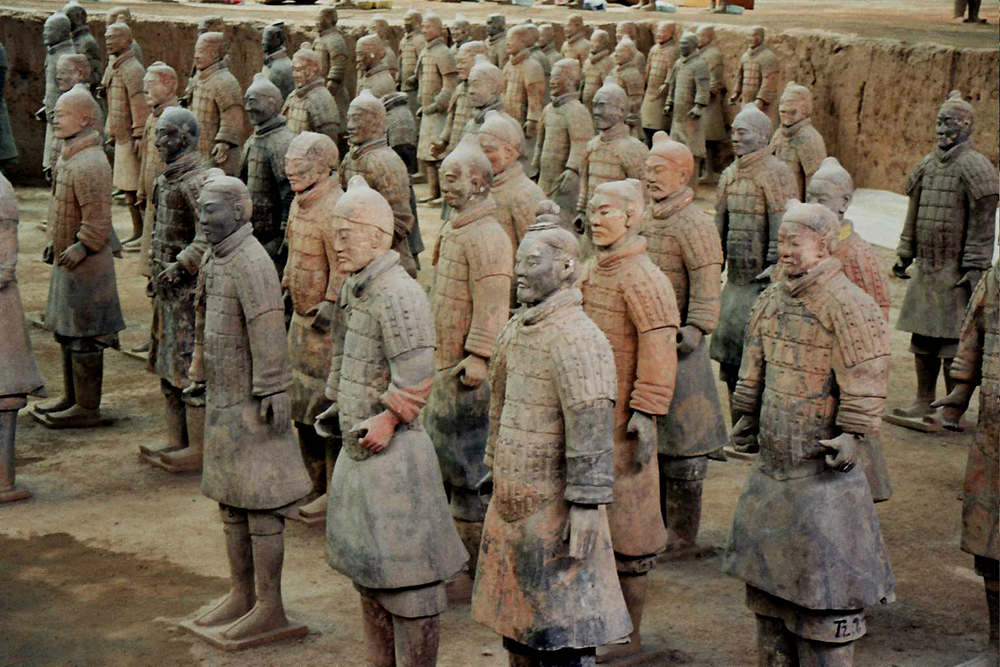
{"x": 58, "y": 40}
{"x": 632, "y": 80}
{"x": 312, "y": 108}
{"x": 410, "y": 45}
{"x": 331, "y": 48}
{"x": 216, "y": 101}
{"x": 160, "y": 89}
{"x": 713, "y": 116}
{"x": 546, "y": 579}
{"x": 437, "y": 77}
{"x": 796, "y": 142}
{"x": 496, "y": 38}
{"x": 689, "y": 89}
{"x": 597, "y": 67}
{"x": 375, "y": 74}
{"x": 757, "y": 77}
{"x": 8, "y": 149}
{"x": 662, "y": 56}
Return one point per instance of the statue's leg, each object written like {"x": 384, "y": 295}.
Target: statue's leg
{"x": 315, "y": 453}
{"x": 133, "y": 209}
{"x": 989, "y": 568}
{"x": 267, "y": 534}
{"x": 189, "y": 458}
{"x": 634, "y": 590}
{"x": 241, "y": 596}
{"x": 730, "y": 374}
{"x": 380, "y": 640}
{"x": 176, "y": 424}
{"x": 974, "y": 12}
{"x": 417, "y": 640}
{"x": 8, "y": 433}
{"x": 927, "y": 368}
{"x": 822, "y": 654}
{"x": 88, "y": 382}
{"x": 68, "y": 399}
{"x": 775, "y": 644}
{"x": 681, "y": 482}
{"x": 960, "y": 8}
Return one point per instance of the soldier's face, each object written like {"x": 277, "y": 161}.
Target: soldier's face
{"x": 704, "y": 38}
{"x": 607, "y": 113}
{"x": 360, "y": 128}
{"x": 171, "y": 142}
{"x": 561, "y": 81}
{"x": 431, "y": 29}
{"x": 271, "y": 41}
{"x": 116, "y": 40}
{"x": 457, "y": 187}
{"x": 368, "y": 58}
{"x": 516, "y": 42}
{"x": 746, "y": 140}
{"x": 574, "y": 26}
{"x": 260, "y": 108}
{"x": 356, "y": 245}
{"x": 303, "y": 72}
{"x": 65, "y": 75}
{"x": 156, "y": 90}
{"x": 463, "y": 63}
{"x": 303, "y": 172}
{"x": 500, "y": 154}
{"x": 481, "y": 91}
{"x": 663, "y": 33}
{"x": 536, "y": 271}
{"x": 70, "y": 118}
{"x": 689, "y": 45}
{"x": 54, "y": 31}
{"x": 791, "y": 109}
{"x": 821, "y": 191}
{"x": 949, "y": 130}
{"x": 545, "y": 35}
{"x": 608, "y": 219}
{"x": 218, "y": 216}
{"x": 799, "y": 248}
{"x": 494, "y": 24}
{"x": 757, "y": 38}
{"x": 622, "y": 54}
{"x": 602, "y": 42}
{"x": 204, "y": 54}
{"x": 459, "y": 33}
{"x": 411, "y": 23}
{"x": 663, "y": 179}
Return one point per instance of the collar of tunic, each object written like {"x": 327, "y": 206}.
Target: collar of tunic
{"x": 482, "y": 209}
{"x": 85, "y": 139}
{"x": 755, "y": 50}
{"x": 330, "y": 31}
{"x": 689, "y": 57}
{"x": 493, "y": 39}
{"x": 122, "y": 57}
{"x": 495, "y": 105}
{"x": 548, "y": 48}
{"x": 953, "y": 152}
{"x": 228, "y": 246}
{"x": 665, "y": 208}
{"x": 213, "y": 68}
{"x": 81, "y": 31}
{"x": 160, "y": 108}
{"x": 519, "y": 58}
{"x": 304, "y": 90}
{"x": 276, "y": 55}
{"x": 317, "y": 192}
{"x": 629, "y": 65}
{"x": 807, "y": 285}
{"x": 599, "y": 56}
{"x": 434, "y": 42}
{"x": 357, "y": 283}
{"x": 55, "y": 48}
{"x": 575, "y": 37}
{"x": 182, "y": 165}
{"x": 747, "y": 163}
{"x": 563, "y": 99}
{"x": 369, "y": 146}
{"x": 394, "y": 100}
{"x": 276, "y": 122}
{"x": 377, "y": 69}
{"x": 568, "y": 297}
{"x": 613, "y": 258}
{"x": 507, "y": 175}
{"x": 616, "y": 132}
{"x": 792, "y": 130}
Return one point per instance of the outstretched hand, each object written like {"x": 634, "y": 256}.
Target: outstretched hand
{"x": 743, "y": 436}
{"x": 899, "y": 268}
{"x": 326, "y": 420}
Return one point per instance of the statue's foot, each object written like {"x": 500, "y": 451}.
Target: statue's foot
{"x": 262, "y": 618}
{"x": 678, "y": 550}
{"x": 228, "y": 609}
{"x": 752, "y": 448}
{"x": 133, "y": 238}
{"x": 141, "y": 349}
{"x": 55, "y": 405}
{"x": 182, "y": 460}
{"x": 75, "y": 417}
{"x": 316, "y": 509}
{"x": 611, "y": 652}
{"x": 157, "y": 451}
{"x": 919, "y": 409}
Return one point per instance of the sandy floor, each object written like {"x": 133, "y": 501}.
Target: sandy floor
{"x": 110, "y": 553}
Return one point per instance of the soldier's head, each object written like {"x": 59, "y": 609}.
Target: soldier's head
{"x": 209, "y": 49}
{"x": 362, "y": 226}
{"x": 214, "y": 23}
{"x": 626, "y": 29}
{"x": 466, "y": 174}
{"x": 955, "y": 121}
{"x": 518, "y": 39}
{"x": 57, "y": 29}
{"x": 466, "y": 57}
{"x": 615, "y": 212}
{"x": 370, "y": 49}
{"x": 273, "y": 37}
{"x": 485, "y": 82}
{"x": 625, "y": 51}
{"x": 365, "y": 118}
{"x": 310, "y": 159}
{"x": 71, "y": 69}
{"x": 574, "y": 26}
{"x": 432, "y": 27}
{"x": 224, "y": 206}
{"x": 751, "y": 130}
{"x": 600, "y": 41}
{"x": 610, "y": 105}
{"x": 76, "y": 14}
{"x": 665, "y": 31}
{"x": 706, "y": 34}
{"x": 809, "y": 234}
{"x": 176, "y": 133}
{"x": 412, "y": 20}
{"x": 533, "y": 34}
{"x": 668, "y": 167}
{"x": 496, "y": 24}
{"x": 547, "y": 259}
{"x": 796, "y": 104}
{"x": 831, "y": 186}
{"x": 688, "y": 43}
{"x": 546, "y": 33}
{"x": 501, "y": 140}
{"x": 120, "y": 15}
{"x": 263, "y": 100}
{"x": 459, "y": 30}
{"x": 118, "y": 38}
{"x": 379, "y": 26}
{"x": 756, "y": 36}
{"x": 327, "y": 18}
{"x": 306, "y": 67}
{"x": 159, "y": 84}
{"x": 74, "y": 112}
{"x": 565, "y": 77}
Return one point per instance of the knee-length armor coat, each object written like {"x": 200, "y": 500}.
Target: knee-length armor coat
{"x": 262, "y": 168}
{"x": 437, "y": 77}
{"x": 658, "y": 67}
{"x": 815, "y": 365}
{"x": 802, "y": 148}
{"x": 150, "y": 166}
{"x": 689, "y": 85}
{"x": 217, "y": 103}
{"x": 312, "y": 108}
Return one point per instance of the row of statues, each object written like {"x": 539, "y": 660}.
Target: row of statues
{"x": 560, "y": 348}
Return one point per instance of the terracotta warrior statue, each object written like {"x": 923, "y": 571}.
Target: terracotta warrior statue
{"x": 277, "y": 64}
{"x": 216, "y": 101}
{"x": 73, "y": 69}
{"x": 387, "y": 477}
{"x": 124, "y": 15}
{"x": 312, "y": 280}
{"x": 213, "y": 23}
{"x": 496, "y": 39}
{"x": 458, "y": 31}
{"x": 627, "y": 75}
{"x": 437, "y": 77}
{"x": 242, "y": 362}
{"x": 563, "y": 133}
{"x": 411, "y": 44}
{"x": 176, "y": 250}
{"x": 533, "y": 35}
{"x": 684, "y": 244}
{"x": 757, "y": 78}
{"x": 749, "y": 203}
{"x": 547, "y": 46}
{"x": 8, "y": 149}
{"x": 371, "y": 157}
{"x": 331, "y": 51}
{"x": 811, "y": 390}
{"x": 689, "y": 88}
{"x": 376, "y": 78}
{"x": 127, "y": 111}
{"x": 84, "y": 42}
{"x": 83, "y": 310}
{"x": 19, "y": 376}
{"x": 630, "y": 29}
{"x": 380, "y": 28}
{"x": 469, "y": 302}
{"x": 262, "y": 167}
{"x": 58, "y": 37}
{"x": 523, "y": 87}
{"x": 949, "y": 233}
{"x": 796, "y": 142}
{"x": 460, "y": 107}
{"x": 552, "y": 599}
{"x": 633, "y": 304}
{"x": 662, "y": 56}
{"x": 311, "y": 107}
{"x": 977, "y": 361}
{"x": 597, "y": 67}
{"x": 576, "y": 45}
{"x": 712, "y": 117}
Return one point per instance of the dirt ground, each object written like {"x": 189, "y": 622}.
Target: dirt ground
{"x": 109, "y": 553}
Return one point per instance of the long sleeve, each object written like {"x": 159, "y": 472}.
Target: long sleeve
{"x": 449, "y": 80}
{"x": 408, "y": 335}
{"x": 769, "y": 72}
{"x": 191, "y": 256}
{"x": 704, "y": 300}
{"x": 980, "y": 233}
{"x": 967, "y": 366}
{"x": 336, "y": 277}
{"x": 907, "y": 248}
{"x": 95, "y": 211}
{"x": 490, "y": 258}
{"x": 198, "y": 355}
{"x": 284, "y": 189}
{"x": 536, "y": 157}
{"x": 581, "y": 202}
{"x": 498, "y": 385}
{"x": 8, "y": 251}
{"x": 338, "y": 332}
{"x": 652, "y": 308}
{"x": 140, "y": 110}
{"x": 230, "y": 125}
{"x": 260, "y": 299}
{"x": 722, "y": 215}
{"x": 750, "y": 387}
{"x": 534, "y": 88}
{"x": 581, "y": 130}
{"x": 702, "y": 84}
{"x": 449, "y": 122}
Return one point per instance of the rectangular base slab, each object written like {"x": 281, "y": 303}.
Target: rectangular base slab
{"x": 14, "y": 494}
{"x": 141, "y": 356}
{"x": 696, "y": 552}
{"x": 915, "y": 424}
{"x": 160, "y": 463}
{"x": 645, "y": 659}
{"x": 43, "y": 417}
{"x": 981, "y": 661}
{"x": 213, "y": 635}
{"x": 741, "y": 456}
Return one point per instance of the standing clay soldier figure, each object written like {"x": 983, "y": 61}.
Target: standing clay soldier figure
{"x": 8, "y": 149}
{"x": 277, "y": 64}
{"x": 712, "y": 117}
{"x": 469, "y": 301}
{"x": 552, "y": 599}
{"x": 633, "y": 303}
{"x": 73, "y": 69}
{"x": 460, "y": 108}
{"x": 375, "y": 75}
{"x": 262, "y": 167}
{"x": 547, "y": 46}
{"x": 57, "y": 36}
{"x": 371, "y": 157}
{"x": 576, "y": 45}
{"x": 536, "y": 52}
{"x": 662, "y": 57}
{"x": 684, "y": 244}
{"x": 410, "y": 46}
{"x": 313, "y": 278}
{"x": 331, "y": 50}
{"x": 205, "y": 24}
{"x": 19, "y": 376}
{"x": 597, "y": 68}
{"x": 84, "y": 42}
{"x": 437, "y": 80}
{"x": 380, "y": 377}
{"x": 217, "y": 104}
{"x": 948, "y": 231}
{"x": 176, "y": 251}
{"x": 806, "y": 539}
{"x": 124, "y": 15}
{"x": 496, "y": 39}
{"x": 251, "y": 467}
{"x": 978, "y": 362}
{"x": 757, "y": 78}
{"x": 159, "y": 86}
{"x": 687, "y": 96}
{"x": 485, "y": 93}
{"x": 630, "y": 29}
{"x": 459, "y": 33}
{"x": 311, "y": 107}
{"x": 380, "y": 27}
{"x": 523, "y": 87}
{"x": 83, "y": 310}
{"x": 797, "y": 143}
{"x": 563, "y": 133}
{"x": 749, "y": 203}
{"x": 127, "y": 111}
{"x": 627, "y": 75}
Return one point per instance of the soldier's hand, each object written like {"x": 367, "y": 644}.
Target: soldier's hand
{"x": 47, "y": 173}
{"x": 171, "y": 274}
{"x": 743, "y": 436}
{"x": 568, "y": 182}
{"x": 899, "y": 268}
{"x": 438, "y": 147}
{"x": 662, "y": 91}
{"x": 323, "y": 311}
{"x": 280, "y": 408}
{"x": 766, "y": 276}
{"x": 72, "y": 256}
{"x": 472, "y": 370}
{"x": 845, "y": 448}
{"x": 733, "y": 98}
{"x": 762, "y": 105}
{"x": 644, "y": 428}
{"x": 378, "y": 430}
{"x": 695, "y": 111}
{"x": 411, "y": 82}
{"x": 220, "y": 153}
{"x": 954, "y": 405}
{"x": 332, "y": 86}
{"x": 195, "y": 388}
{"x": 140, "y": 203}
{"x": 688, "y": 339}
{"x": 530, "y": 128}
{"x": 326, "y": 421}
{"x": 48, "y": 254}
{"x": 971, "y": 278}
{"x": 582, "y": 530}
{"x": 40, "y": 115}
{"x": 485, "y": 485}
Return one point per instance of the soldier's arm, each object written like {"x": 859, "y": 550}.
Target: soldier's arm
{"x": 137, "y": 103}
{"x": 490, "y": 259}
{"x": 259, "y": 295}
{"x": 652, "y": 308}
{"x": 812, "y": 156}
{"x": 702, "y": 85}
{"x": 967, "y": 366}
{"x": 8, "y": 251}
{"x": 906, "y": 249}
{"x": 498, "y": 385}
{"x": 534, "y": 87}
{"x": 284, "y": 189}
{"x": 191, "y": 256}
{"x": 634, "y": 164}
{"x": 738, "y": 89}
{"x": 95, "y": 211}
{"x": 325, "y": 122}
{"x": 768, "y": 91}
{"x": 338, "y": 331}
{"x": 196, "y": 373}
{"x": 702, "y": 253}
{"x": 981, "y": 226}
{"x": 449, "y": 122}
{"x": 581, "y": 130}
{"x": 336, "y": 276}
{"x": 230, "y": 124}
{"x": 408, "y": 335}
{"x": 536, "y": 157}
{"x": 581, "y": 202}
{"x": 861, "y": 368}
{"x": 338, "y": 70}
{"x": 394, "y": 185}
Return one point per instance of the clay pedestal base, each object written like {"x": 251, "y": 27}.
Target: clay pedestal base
{"x": 742, "y": 456}
{"x": 141, "y": 356}
{"x": 928, "y": 424}
{"x": 693, "y": 552}
{"x": 652, "y": 658}
{"x": 15, "y": 494}
{"x": 43, "y": 418}
{"x": 213, "y": 635}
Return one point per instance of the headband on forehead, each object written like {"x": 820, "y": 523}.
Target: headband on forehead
{"x": 672, "y": 151}
{"x": 362, "y": 205}
{"x": 816, "y": 217}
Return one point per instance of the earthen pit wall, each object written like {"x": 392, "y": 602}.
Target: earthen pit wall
{"x": 875, "y": 99}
